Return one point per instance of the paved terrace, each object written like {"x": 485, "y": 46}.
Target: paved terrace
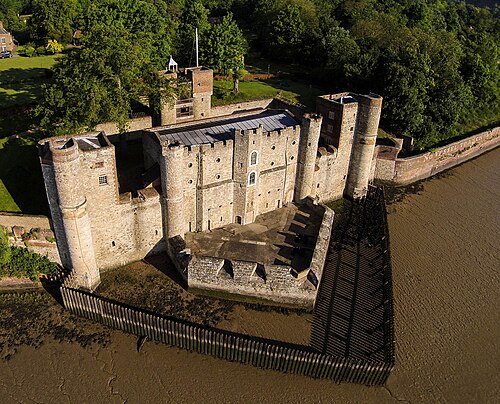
{"x": 286, "y": 236}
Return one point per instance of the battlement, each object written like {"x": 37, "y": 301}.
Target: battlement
{"x": 62, "y": 147}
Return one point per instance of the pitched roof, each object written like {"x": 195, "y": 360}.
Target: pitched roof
{"x": 223, "y": 129}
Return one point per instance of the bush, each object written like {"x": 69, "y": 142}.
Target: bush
{"x": 5, "y": 252}
{"x": 40, "y": 50}
{"x": 24, "y": 263}
{"x": 29, "y": 51}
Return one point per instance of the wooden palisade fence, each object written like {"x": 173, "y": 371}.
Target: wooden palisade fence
{"x": 260, "y": 352}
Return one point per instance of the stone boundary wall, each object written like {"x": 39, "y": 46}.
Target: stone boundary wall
{"x": 229, "y": 109}
{"x": 18, "y": 224}
{"x": 402, "y": 171}
{"x": 134, "y": 124}
{"x": 246, "y": 349}
{"x": 8, "y": 219}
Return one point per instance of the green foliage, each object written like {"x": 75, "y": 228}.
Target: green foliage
{"x": 224, "y": 47}
{"x": 194, "y": 15}
{"x": 287, "y": 33}
{"x": 53, "y": 46}
{"x": 115, "y": 68}
{"x": 24, "y": 263}
{"x": 5, "y": 251}
{"x": 52, "y": 19}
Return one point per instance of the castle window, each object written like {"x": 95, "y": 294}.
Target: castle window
{"x": 190, "y": 165}
{"x": 273, "y": 147}
{"x": 190, "y": 181}
{"x": 291, "y": 158}
{"x": 329, "y": 128}
{"x": 113, "y": 243}
{"x": 217, "y": 160}
{"x": 103, "y": 179}
{"x": 253, "y": 158}
{"x": 217, "y": 176}
{"x": 293, "y": 143}
{"x": 331, "y": 114}
{"x": 251, "y": 178}
{"x": 272, "y": 163}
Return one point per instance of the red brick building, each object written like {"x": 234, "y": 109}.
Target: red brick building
{"x": 6, "y": 40}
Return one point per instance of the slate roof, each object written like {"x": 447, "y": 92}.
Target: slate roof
{"x": 212, "y": 132}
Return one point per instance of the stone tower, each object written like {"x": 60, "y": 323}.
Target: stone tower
{"x": 365, "y": 137}
{"x": 308, "y": 148}
{"x": 172, "y": 167}
{"x": 60, "y": 160}
{"x": 202, "y": 80}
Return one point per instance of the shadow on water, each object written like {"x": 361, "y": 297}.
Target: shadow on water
{"x": 352, "y": 308}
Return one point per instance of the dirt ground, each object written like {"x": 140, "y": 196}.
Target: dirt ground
{"x": 445, "y": 250}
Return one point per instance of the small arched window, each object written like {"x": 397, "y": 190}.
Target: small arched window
{"x": 253, "y": 158}
{"x": 251, "y": 178}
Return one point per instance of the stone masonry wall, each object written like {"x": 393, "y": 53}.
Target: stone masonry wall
{"x": 134, "y": 124}
{"x": 271, "y": 282}
{"x": 402, "y": 171}
{"x": 41, "y": 238}
{"x": 229, "y": 109}
{"x": 124, "y": 229}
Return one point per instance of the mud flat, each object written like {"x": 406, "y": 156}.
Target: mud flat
{"x": 445, "y": 250}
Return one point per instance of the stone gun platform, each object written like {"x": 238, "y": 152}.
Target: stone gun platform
{"x": 286, "y": 236}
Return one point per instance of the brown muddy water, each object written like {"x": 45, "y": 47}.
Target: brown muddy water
{"x": 445, "y": 251}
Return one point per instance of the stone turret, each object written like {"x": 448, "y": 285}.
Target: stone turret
{"x": 60, "y": 160}
{"x": 308, "y": 148}
{"x": 365, "y": 137}
{"x": 172, "y": 166}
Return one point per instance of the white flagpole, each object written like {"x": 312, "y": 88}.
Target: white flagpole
{"x": 196, "y": 33}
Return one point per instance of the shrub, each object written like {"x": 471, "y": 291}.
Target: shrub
{"x": 24, "y": 263}
{"x": 29, "y": 51}
{"x": 5, "y": 251}
{"x": 40, "y": 50}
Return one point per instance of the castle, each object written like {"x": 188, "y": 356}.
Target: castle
{"x": 203, "y": 170}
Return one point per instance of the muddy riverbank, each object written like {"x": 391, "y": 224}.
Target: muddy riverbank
{"x": 444, "y": 239}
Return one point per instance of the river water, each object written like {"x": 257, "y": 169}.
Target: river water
{"x": 445, "y": 251}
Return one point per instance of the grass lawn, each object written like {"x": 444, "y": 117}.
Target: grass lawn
{"x": 21, "y": 181}
{"x": 258, "y": 89}
{"x": 21, "y": 80}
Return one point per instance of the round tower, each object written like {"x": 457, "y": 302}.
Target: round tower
{"x": 308, "y": 148}
{"x": 172, "y": 169}
{"x": 369, "y": 109}
{"x": 68, "y": 206}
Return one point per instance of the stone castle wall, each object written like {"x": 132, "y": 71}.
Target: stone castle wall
{"x": 402, "y": 171}
{"x": 229, "y": 109}
{"x": 134, "y": 124}
{"x": 275, "y": 283}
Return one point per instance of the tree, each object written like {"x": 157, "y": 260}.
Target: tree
{"x": 52, "y": 19}
{"x": 287, "y": 33}
{"x": 100, "y": 82}
{"x": 224, "y": 48}
{"x": 195, "y": 15}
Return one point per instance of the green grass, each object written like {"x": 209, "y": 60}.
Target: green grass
{"x": 21, "y": 181}
{"x": 258, "y": 89}
{"x": 21, "y": 79}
